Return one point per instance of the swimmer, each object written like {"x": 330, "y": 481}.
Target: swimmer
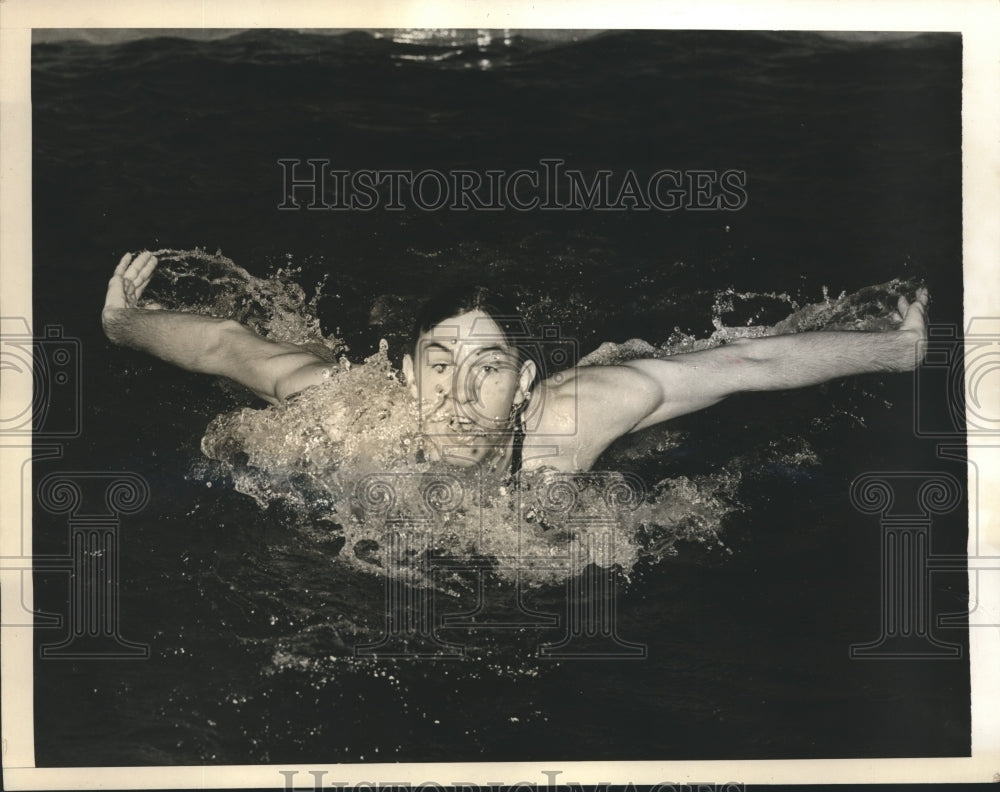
{"x": 483, "y": 400}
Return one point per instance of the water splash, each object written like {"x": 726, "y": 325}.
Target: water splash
{"x": 211, "y": 284}
{"x": 347, "y": 453}
{"x": 871, "y": 308}
{"x": 347, "y": 456}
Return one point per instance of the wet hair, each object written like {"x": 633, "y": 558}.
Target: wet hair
{"x": 499, "y": 307}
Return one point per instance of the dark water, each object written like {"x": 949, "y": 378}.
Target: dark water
{"x": 852, "y": 155}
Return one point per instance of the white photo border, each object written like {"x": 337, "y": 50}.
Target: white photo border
{"x": 978, "y": 21}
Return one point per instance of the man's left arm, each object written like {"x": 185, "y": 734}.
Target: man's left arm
{"x": 696, "y": 380}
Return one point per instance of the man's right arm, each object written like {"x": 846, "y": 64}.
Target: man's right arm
{"x": 204, "y": 344}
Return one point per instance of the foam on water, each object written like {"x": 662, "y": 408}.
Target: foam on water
{"x": 869, "y": 309}
{"x": 347, "y": 454}
{"x": 276, "y": 306}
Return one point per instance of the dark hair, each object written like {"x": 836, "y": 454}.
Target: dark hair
{"x": 501, "y": 309}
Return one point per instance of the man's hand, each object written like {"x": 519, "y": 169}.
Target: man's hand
{"x": 914, "y": 323}
{"x": 126, "y": 286}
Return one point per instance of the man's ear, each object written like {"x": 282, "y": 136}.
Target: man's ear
{"x": 524, "y": 382}
{"x": 409, "y": 374}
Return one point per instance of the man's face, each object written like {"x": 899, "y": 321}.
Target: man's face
{"x": 468, "y": 381}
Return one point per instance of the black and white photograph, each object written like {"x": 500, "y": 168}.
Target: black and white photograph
{"x": 420, "y": 397}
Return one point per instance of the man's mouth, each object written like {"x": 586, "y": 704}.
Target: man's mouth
{"x": 453, "y": 424}
{"x": 464, "y": 430}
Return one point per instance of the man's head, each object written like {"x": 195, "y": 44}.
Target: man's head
{"x": 471, "y": 371}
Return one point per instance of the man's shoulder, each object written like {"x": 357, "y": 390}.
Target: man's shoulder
{"x": 597, "y": 385}
{"x": 599, "y": 401}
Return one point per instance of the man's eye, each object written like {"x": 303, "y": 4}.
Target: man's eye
{"x": 438, "y": 368}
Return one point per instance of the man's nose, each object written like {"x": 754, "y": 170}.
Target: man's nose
{"x": 460, "y": 387}
{"x": 448, "y": 389}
